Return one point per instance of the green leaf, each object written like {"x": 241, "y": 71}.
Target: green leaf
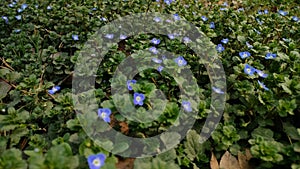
{"x": 12, "y": 159}
{"x": 154, "y": 163}
{"x": 4, "y": 89}
{"x": 170, "y": 139}
{"x": 193, "y": 148}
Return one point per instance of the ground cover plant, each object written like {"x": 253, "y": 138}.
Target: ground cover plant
{"x": 256, "y": 41}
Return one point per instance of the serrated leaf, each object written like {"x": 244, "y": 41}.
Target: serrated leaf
{"x": 192, "y": 145}
{"x": 170, "y": 139}
{"x": 4, "y": 89}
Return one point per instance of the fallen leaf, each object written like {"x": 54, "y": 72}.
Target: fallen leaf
{"x": 244, "y": 160}
{"x": 214, "y": 162}
{"x": 127, "y": 163}
{"x": 124, "y": 127}
{"x": 229, "y": 162}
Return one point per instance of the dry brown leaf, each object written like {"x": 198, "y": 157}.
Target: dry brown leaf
{"x": 244, "y": 160}
{"x": 124, "y": 127}
{"x": 214, "y": 162}
{"x": 229, "y": 162}
{"x": 127, "y": 163}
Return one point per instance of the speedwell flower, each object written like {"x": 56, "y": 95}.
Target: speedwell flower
{"x": 153, "y": 50}
{"x": 283, "y": 13}
{"x": 220, "y": 48}
{"x": 157, "y": 19}
{"x": 5, "y": 19}
{"x": 54, "y": 89}
{"x": 261, "y": 73}
{"x": 249, "y": 70}
{"x": 270, "y": 55}
{"x": 122, "y": 37}
{"x": 248, "y": 45}
{"x": 160, "y": 68}
{"x": 204, "y": 18}
{"x": 155, "y": 41}
{"x": 18, "y": 17}
{"x": 138, "y": 99}
{"x": 156, "y": 60}
{"x": 217, "y": 90}
{"x": 104, "y": 113}
{"x": 75, "y": 37}
{"x": 244, "y": 54}
{"x": 180, "y": 61}
{"x": 186, "y": 106}
{"x": 262, "y": 85}
{"x": 109, "y": 36}
{"x": 176, "y": 17}
{"x": 295, "y": 18}
{"x": 186, "y": 39}
{"x": 171, "y": 36}
{"x": 96, "y": 161}
{"x": 129, "y": 83}
{"x": 212, "y": 25}
{"x": 225, "y": 40}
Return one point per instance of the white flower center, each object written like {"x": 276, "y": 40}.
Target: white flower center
{"x": 248, "y": 70}
{"x": 103, "y": 114}
{"x": 244, "y": 55}
{"x": 138, "y": 98}
{"x": 97, "y": 162}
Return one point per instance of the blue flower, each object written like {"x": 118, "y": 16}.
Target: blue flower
{"x": 138, "y": 99}
{"x": 223, "y": 9}
{"x": 186, "y": 106}
{"x": 12, "y": 4}
{"x": 168, "y": 2}
{"x": 180, "y": 61}
{"x": 248, "y": 45}
{"x": 104, "y": 113}
{"x": 266, "y": 11}
{"x": 262, "y": 85}
{"x": 260, "y": 12}
{"x": 224, "y": 41}
{"x": 156, "y": 60}
{"x": 122, "y": 37}
{"x": 75, "y": 37}
{"x": 225, "y": 4}
{"x": 160, "y": 68}
{"x": 270, "y": 55}
{"x": 49, "y": 7}
{"x": 94, "y": 9}
{"x": 176, "y": 17}
{"x": 204, "y": 18}
{"x": 171, "y": 36}
{"x": 220, "y": 48}
{"x": 295, "y": 18}
{"x": 261, "y": 73}
{"x": 155, "y": 41}
{"x": 217, "y": 90}
{"x": 129, "y": 83}
{"x": 54, "y": 89}
{"x": 153, "y": 50}
{"x": 17, "y": 30}
{"x": 259, "y": 22}
{"x": 240, "y": 9}
{"x": 283, "y": 13}
{"x": 24, "y": 6}
{"x": 157, "y": 19}
{"x": 249, "y": 70}
{"x": 186, "y": 39}
{"x": 257, "y": 31}
{"x": 109, "y": 36}
{"x": 244, "y": 55}
{"x": 96, "y": 161}
{"x": 212, "y": 25}
{"x": 103, "y": 19}
{"x": 18, "y": 17}
{"x": 286, "y": 39}
{"x": 5, "y": 19}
